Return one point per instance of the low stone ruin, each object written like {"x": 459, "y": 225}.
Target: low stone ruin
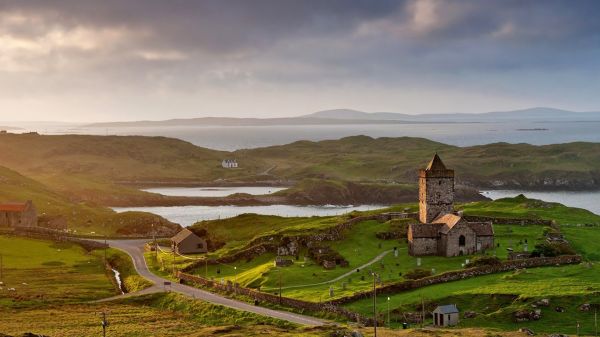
{"x": 327, "y": 257}
{"x": 527, "y": 315}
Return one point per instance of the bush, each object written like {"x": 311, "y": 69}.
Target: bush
{"x": 479, "y": 261}
{"x": 416, "y": 274}
{"x": 552, "y": 249}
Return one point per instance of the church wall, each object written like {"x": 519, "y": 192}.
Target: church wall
{"x": 452, "y": 244}
{"x": 423, "y": 246}
{"x": 487, "y": 242}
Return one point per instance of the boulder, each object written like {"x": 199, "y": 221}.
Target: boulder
{"x": 544, "y": 302}
{"x": 470, "y": 314}
{"x": 585, "y": 307}
{"x": 527, "y": 331}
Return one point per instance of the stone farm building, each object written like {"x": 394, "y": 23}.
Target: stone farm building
{"x": 446, "y": 315}
{"x": 18, "y": 214}
{"x": 441, "y": 231}
{"x": 186, "y": 242}
{"x": 229, "y": 163}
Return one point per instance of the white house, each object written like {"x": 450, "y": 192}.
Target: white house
{"x": 229, "y": 163}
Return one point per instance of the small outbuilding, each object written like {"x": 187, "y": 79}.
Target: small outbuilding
{"x": 446, "y": 315}
{"x": 18, "y": 214}
{"x": 186, "y": 242}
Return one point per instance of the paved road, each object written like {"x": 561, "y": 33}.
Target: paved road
{"x": 135, "y": 249}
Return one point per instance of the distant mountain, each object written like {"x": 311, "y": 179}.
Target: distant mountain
{"x": 539, "y": 113}
{"x": 9, "y": 128}
{"x": 349, "y": 116}
{"x": 225, "y": 121}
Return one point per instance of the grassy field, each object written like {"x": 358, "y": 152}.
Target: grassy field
{"x": 359, "y": 247}
{"x": 151, "y": 315}
{"x": 44, "y": 272}
{"x": 496, "y": 297}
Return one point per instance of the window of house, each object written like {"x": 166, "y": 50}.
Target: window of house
{"x": 461, "y": 240}
{"x": 200, "y": 246}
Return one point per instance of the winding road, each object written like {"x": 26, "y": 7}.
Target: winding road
{"x": 135, "y": 249}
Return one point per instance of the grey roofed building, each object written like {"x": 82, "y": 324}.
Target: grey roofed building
{"x": 186, "y": 242}
{"x": 446, "y": 315}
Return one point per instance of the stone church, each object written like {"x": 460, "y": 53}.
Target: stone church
{"x": 441, "y": 231}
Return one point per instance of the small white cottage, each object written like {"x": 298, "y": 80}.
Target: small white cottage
{"x": 446, "y": 315}
{"x": 229, "y": 163}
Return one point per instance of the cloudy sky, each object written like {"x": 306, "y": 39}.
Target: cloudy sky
{"x": 78, "y": 60}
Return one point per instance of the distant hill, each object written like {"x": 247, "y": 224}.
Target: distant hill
{"x": 225, "y": 121}
{"x": 349, "y": 116}
{"x": 84, "y": 217}
{"x": 104, "y": 170}
{"x": 539, "y": 114}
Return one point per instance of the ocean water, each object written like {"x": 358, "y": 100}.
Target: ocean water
{"x": 586, "y": 200}
{"x": 188, "y": 215}
{"x": 213, "y": 191}
{"x": 461, "y": 134}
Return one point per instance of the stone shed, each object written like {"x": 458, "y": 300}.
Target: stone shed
{"x": 18, "y": 214}
{"x": 446, "y": 315}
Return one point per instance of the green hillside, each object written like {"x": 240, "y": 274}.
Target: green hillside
{"x": 83, "y": 217}
{"x": 102, "y": 169}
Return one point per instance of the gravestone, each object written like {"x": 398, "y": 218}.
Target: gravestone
{"x": 418, "y": 261}
{"x": 331, "y": 291}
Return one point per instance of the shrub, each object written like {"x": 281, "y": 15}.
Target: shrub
{"x": 548, "y": 249}
{"x": 416, "y": 274}
{"x": 479, "y": 261}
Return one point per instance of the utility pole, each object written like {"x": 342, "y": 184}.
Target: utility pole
{"x": 104, "y": 323}
{"x": 388, "y": 303}
{"x": 280, "y": 298}
{"x": 173, "y": 261}
{"x": 375, "y": 304}
{"x": 155, "y": 243}
{"x": 1, "y": 266}
{"x": 596, "y": 320}
{"x": 422, "y": 311}
{"x": 235, "y": 280}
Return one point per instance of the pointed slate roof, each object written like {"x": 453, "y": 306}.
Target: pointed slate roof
{"x": 182, "y": 235}
{"x": 436, "y": 164}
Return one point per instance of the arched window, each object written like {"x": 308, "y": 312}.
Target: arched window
{"x": 461, "y": 241}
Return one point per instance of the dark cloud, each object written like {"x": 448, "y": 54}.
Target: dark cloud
{"x": 189, "y": 46}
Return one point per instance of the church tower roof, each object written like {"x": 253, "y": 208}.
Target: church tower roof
{"x": 436, "y": 164}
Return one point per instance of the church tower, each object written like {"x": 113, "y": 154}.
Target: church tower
{"x": 436, "y": 190}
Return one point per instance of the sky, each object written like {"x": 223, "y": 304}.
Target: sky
{"x": 114, "y": 60}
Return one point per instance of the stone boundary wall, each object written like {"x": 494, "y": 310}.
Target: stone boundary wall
{"x": 265, "y": 244}
{"x": 397, "y": 287}
{"x": 334, "y": 306}
{"x": 499, "y": 220}
{"x": 54, "y": 235}
{"x": 229, "y": 287}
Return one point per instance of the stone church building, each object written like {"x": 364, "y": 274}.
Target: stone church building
{"x": 441, "y": 231}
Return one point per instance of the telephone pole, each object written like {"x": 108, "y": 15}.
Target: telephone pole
{"x": 375, "y": 304}
{"x": 280, "y": 287}
{"x": 104, "y": 323}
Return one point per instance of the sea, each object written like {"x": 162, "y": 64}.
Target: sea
{"x": 230, "y": 138}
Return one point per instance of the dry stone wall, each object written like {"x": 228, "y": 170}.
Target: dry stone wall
{"x": 450, "y": 276}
